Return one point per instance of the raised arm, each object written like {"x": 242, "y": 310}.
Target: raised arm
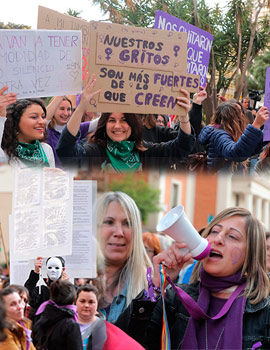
{"x": 88, "y": 93}
{"x": 184, "y": 101}
{"x": 6, "y": 100}
{"x": 261, "y": 117}
{"x": 195, "y": 114}
{"x": 52, "y": 106}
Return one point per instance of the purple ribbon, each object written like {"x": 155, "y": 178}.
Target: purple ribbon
{"x": 70, "y": 307}
{"x": 194, "y": 309}
{"x": 150, "y": 284}
{"x": 28, "y": 333}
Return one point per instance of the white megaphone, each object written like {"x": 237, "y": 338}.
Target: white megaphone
{"x": 176, "y": 224}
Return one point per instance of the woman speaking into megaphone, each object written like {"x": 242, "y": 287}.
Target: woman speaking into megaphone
{"x": 226, "y": 306}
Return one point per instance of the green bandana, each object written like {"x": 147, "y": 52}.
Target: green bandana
{"x": 122, "y": 157}
{"x": 32, "y": 154}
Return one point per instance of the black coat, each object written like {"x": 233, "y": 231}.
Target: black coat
{"x": 36, "y": 298}
{"x": 64, "y": 333}
{"x": 142, "y": 320}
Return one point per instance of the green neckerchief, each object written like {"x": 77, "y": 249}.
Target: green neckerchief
{"x": 32, "y": 154}
{"x": 122, "y": 157}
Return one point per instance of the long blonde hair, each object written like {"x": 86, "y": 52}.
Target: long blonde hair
{"x": 254, "y": 267}
{"x": 133, "y": 273}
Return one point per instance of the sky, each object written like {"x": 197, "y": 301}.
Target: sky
{"x": 26, "y": 11}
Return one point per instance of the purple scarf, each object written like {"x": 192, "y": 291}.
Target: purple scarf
{"x": 230, "y": 315}
{"x": 70, "y": 307}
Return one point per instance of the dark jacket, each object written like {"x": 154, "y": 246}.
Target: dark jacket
{"x": 91, "y": 155}
{"x": 64, "y": 333}
{"x": 143, "y": 320}
{"x": 36, "y": 298}
{"x": 223, "y": 151}
{"x": 159, "y": 134}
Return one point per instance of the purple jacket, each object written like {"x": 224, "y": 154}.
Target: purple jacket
{"x": 54, "y": 136}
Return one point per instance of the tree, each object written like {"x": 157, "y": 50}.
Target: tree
{"x": 257, "y": 72}
{"x": 73, "y": 13}
{"x": 249, "y": 57}
{"x": 146, "y": 197}
{"x": 13, "y": 26}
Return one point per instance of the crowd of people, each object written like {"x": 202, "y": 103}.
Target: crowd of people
{"x": 61, "y": 135}
{"x": 219, "y": 302}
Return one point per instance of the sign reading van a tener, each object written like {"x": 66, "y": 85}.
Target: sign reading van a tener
{"x": 39, "y": 63}
{"x": 139, "y": 70}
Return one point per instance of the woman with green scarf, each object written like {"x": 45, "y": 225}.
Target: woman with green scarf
{"x": 24, "y": 129}
{"x": 117, "y": 144}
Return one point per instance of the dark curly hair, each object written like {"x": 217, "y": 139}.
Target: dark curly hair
{"x": 14, "y": 113}
{"x": 134, "y": 121}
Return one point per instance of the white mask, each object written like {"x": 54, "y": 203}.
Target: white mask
{"x": 54, "y": 269}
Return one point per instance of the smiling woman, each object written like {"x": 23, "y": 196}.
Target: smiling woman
{"x": 117, "y": 144}
{"x": 126, "y": 261}
{"x": 23, "y": 134}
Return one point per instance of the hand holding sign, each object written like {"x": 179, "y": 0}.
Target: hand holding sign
{"x": 184, "y": 101}
{"x": 6, "y": 100}
{"x": 38, "y": 264}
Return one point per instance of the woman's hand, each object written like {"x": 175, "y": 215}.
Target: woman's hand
{"x": 261, "y": 117}
{"x": 38, "y": 264}
{"x": 6, "y": 100}
{"x": 88, "y": 91}
{"x": 184, "y": 101}
{"x": 65, "y": 276}
{"x": 200, "y": 96}
{"x": 173, "y": 260}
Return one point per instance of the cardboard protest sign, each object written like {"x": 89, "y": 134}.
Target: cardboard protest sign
{"x": 50, "y": 19}
{"x": 199, "y": 42}
{"x": 139, "y": 70}
{"x": 266, "y": 129}
{"x": 40, "y": 63}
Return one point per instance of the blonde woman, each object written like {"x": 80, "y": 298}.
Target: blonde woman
{"x": 126, "y": 261}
